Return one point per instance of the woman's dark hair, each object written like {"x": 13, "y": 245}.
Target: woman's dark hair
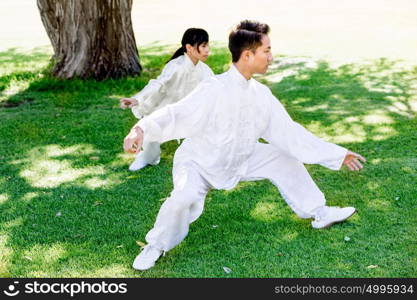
{"x": 246, "y": 36}
{"x": 194, "y": 37}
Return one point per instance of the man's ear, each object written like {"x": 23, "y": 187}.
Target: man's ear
{"x": 245, "y": 55}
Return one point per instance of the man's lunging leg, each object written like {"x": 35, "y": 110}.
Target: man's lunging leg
{"x": 183, "y": 207}
{"x": 296, "y": 186}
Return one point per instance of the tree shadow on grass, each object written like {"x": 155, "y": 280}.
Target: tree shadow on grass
{"x": 70, "y": 208}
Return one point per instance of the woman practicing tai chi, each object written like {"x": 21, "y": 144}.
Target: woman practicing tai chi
{"x": 222, "y": 121}
{"x": 184, "y": 71}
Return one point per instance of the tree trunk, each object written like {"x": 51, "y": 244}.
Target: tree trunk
{"x": 91, "y": 38}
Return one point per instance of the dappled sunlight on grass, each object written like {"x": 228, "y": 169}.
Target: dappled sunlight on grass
{"x": 94, "y": 183}
{"x": 351, "y": 103}
{"x": 378, "y": 204}
{"x": 354, "y": 130}
{"x": 354, "y": 220}
{"x": 383, "y": 132}
{"x": 293, "y": 217}
{"x": 287, "y": 237}
{"x": 45, "y": 254}
{"x": 44, "y": 171}
{"x": 402, "y": 109}
{"x": 240, "y": 186}
{"x": 3, "y": 198}
{"x": 377, "y": 117}
{"x": 375, "y": 161}
{"x": 122, "y": 159}
{"x": 53, "y": 165}
{"x": 29, "y": 196}
{"x": 373, "y": 185}
{"x": 404, "y": 163}
{"x": 265, "y": 211}
{"x": 5, "y": 255}
{"x": 56, "y": 150}
{"x": 343, "y": 267}
{"x": 413, "y": 105}
{"x": 37, "y": 273}
{"x": 39, "y": 258}
{"x": 15, "y": 87}
{"x": 13, "y": 223}
{"x": 339, "y": 132}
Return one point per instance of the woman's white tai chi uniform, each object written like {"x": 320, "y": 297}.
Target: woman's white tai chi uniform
{"x": 178, "y": 78}
{"x": 222, "y": 121}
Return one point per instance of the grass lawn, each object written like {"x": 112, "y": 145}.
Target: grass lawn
{"x": 70, "y": 208}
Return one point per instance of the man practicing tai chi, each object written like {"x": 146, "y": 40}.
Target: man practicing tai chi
{"x": 222, "y": 121}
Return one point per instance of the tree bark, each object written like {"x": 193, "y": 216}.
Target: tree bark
{"x": 91, "y": 38}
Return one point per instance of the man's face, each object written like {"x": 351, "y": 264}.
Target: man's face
{"x": 262, "y": 58}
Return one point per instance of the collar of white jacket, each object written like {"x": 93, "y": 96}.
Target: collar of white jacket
{"x": 238, "y": 77}
{"x": 189, "y": 63}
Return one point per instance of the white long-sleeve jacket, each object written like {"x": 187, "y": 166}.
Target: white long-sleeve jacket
{"x": 178, "y": 78}
{"x": 223, "y": 119}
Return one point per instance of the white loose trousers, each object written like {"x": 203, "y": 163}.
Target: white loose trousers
{"x": 186, "y": 201}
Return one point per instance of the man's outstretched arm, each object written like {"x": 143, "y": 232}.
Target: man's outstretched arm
{"x": 294, "y": 140}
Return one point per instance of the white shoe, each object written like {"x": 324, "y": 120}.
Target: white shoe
{"x": 139, "y": 163}
{"x": 147, "y": 258}
{"x": 328, "y": 215}
{"x": 145, "y": 158}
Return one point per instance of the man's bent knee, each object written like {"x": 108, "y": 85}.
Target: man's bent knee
{"x": 183, "y": 199}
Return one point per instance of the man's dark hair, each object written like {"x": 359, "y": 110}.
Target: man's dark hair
{"x": 246, "y": 36}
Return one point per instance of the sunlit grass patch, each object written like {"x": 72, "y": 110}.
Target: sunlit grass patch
{"x": 5, "y": 254}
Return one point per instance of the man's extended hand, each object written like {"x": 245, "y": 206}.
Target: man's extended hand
{"x": 352, "y": 161}
{"x": 134, "y": 140}
{"x": 128, "y": 102}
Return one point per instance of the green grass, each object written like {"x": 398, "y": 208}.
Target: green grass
{"x": 70, "y": 208}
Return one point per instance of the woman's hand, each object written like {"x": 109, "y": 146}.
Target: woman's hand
{"x": 128, "y": 102}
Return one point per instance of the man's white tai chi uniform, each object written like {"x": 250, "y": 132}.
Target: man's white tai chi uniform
{"x": 178, "y": 78}
{"x": 222, "y": 121}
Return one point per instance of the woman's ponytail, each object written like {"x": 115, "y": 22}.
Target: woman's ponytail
{"x": 177, "y": 53}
